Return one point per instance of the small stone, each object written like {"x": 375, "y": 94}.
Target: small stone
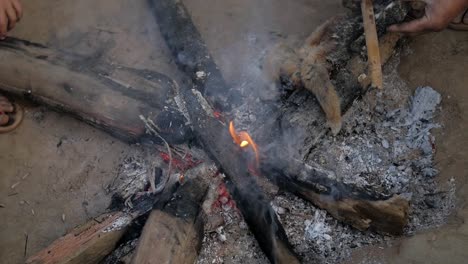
{"x": 243, "y": 225}
{"x": 280, "y": 210}
{"x": 222, "y": 237}
{"x": 429, "y": 172}
{"x": 201, "y": 74}
{"x": 385, "y": 144}
{"x": 223, "y": 200}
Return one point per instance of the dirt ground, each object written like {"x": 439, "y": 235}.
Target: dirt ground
{"x": 63, "y": 165}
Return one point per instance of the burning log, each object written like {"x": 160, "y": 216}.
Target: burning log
{"x": 249, "y": 198}
{"x": 92, "y": 91}
{"x": 192, "y": 56}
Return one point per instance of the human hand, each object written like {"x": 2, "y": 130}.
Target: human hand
{"x": 438, "y": 15}
{"x": 11, "y": 12}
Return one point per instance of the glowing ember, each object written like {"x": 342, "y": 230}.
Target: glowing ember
{"x": 244, "y": 140}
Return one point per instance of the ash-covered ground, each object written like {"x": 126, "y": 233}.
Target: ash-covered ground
{"x": 388, "y": 149}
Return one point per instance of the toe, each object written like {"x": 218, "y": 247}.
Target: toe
{"x": 459, "y": 18}
{"x": 6, "y": 107}
{"x": 4, "y": 119}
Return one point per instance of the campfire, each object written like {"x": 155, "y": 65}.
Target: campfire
{"x": 202, "y": 173}
{"x": 243, "y": 140}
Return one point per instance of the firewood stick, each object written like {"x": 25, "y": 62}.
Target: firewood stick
{"x": 191, "y": 56}
{"x": 361, "y": 209}
{"x": 372, "y": 43}
{"x": 91, "y": 242}
{"x": 174, "y": 233}
{"x": 86, "y": 244}
{"x": 93, "y": 92}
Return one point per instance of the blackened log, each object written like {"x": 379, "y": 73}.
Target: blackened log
{"x": 174, "y": 233}
{"x": 362, "y": 209}
{"x": 192, "y": 56}
{"x": 108, "y": 97}
{"x": 91, "y": 242}
{"x": 251, "y": 201}
{"x": 189, "y": 50}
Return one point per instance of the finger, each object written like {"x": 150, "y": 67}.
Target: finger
{"x": 7, "y": 108}
{"x": 18, "y": 8}
{"x": 4, "y": 119}
{"x": 3, "y": 25}
{"x": 12, "y": 18}
{"x": 414, "y": 26}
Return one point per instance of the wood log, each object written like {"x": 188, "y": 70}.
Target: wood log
{"x": 300, "y": 120}
{"x": 86, "y": 244}
{"x": 253, "y": 204}
{"x": 109, "y": 97}
{"x": 93, "y": 241}
{"x": 362, "y": 209}
{"x": 174, "y": 234}
{"x": 372, "y": 44}
{"x": 192, "y": 56}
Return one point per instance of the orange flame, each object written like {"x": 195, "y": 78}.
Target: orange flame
{"x": 244, "y": 140}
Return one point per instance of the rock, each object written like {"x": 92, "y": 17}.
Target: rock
{"x": 385, "y": 144}
{"x": 430, "y": 172}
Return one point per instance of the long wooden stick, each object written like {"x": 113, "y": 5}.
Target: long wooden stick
{"x": 372, "y": 42}
{"x": 86, "y": 244}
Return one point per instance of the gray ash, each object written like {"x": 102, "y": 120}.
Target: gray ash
{"x": 388, "y": 149}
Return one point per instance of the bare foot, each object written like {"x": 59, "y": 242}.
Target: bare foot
{"x": 5, "y": 108}
{"x": 11, "y": 115}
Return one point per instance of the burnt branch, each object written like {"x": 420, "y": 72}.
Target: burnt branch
{"x": 108, "y": 97}
{"x": 192, "y": 56}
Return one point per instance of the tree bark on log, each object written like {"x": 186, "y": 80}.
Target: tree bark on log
{"x": 111, "y": 98}
{"x": 364, "y": 210}
{"x": 177, "y": 209}
{"x": 174, "y": 234}
{"x": 86, "y": 244}
{"x": 192, "y": 56}
{"x": 251, "y": 201}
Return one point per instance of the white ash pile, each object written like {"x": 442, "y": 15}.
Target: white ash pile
{"x": 388, "y": 149}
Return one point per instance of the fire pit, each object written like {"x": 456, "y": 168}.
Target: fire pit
{"x": 277, "y": 186}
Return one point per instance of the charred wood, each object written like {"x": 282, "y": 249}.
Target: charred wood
{"x": 108, "y": 97}
{"x": 253, "y": 204}
{"x": 362, "y": 209}
{"x": 174, "y": 233}
{"x": 91, "y": 242}
{"x": 189, "y": 50}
